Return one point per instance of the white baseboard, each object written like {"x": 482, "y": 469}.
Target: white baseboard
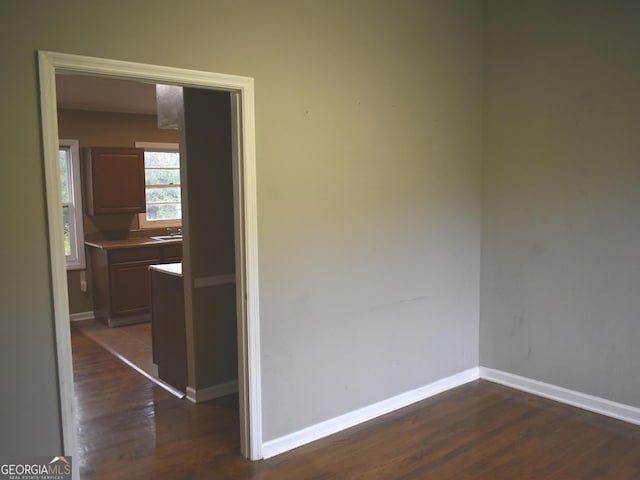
{"x": 214, "y": 391}
{"x": 351, "y": 419}
{"x": 76, "y": 317}
{"x": 599, "y": 405}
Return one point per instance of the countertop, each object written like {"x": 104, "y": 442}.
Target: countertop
{"x": 131, "y": 243}
{"x": 168, "y": 268}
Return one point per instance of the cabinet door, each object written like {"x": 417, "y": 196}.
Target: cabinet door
{"x": 130, "y": 288}
{"x": 115, "y": 180}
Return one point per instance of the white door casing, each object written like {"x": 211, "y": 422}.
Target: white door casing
{"x": 242, "y": 90}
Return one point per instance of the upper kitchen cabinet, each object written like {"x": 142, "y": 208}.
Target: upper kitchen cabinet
{"x": 114, "y": 180}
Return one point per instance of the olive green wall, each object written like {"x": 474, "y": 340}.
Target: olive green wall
{"x": 561, "y": 216}
{"x": 105, "y": 129}
{"x": 368, "y": 124}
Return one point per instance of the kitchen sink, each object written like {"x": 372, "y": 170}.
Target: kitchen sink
{"x": 168, "y": 237}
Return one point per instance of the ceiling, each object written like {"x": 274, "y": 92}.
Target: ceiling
{"x": 84, "y": 92}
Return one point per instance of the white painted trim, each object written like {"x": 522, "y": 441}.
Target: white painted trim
{"x": 142, "y": 217}
{"x": 247, "y": 291}
{"x": 242, "y": 90}
{"x": 202, "y": 282}
{"x": 214, "y": 391}
{"x": 76, "y": 317}
{"x": 57, "y": 256}
{"x": 77, "y": 260}
{"x": 351, "y": 419}
{"x": 599, "y": 405}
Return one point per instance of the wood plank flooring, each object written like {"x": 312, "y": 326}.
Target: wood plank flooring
{"x": 131, "y": 343}
{"x": 130, "y": 428}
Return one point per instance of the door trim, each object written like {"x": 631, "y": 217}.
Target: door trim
{"x": 242, "y": 89}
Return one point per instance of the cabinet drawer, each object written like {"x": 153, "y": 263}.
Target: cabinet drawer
{"x": 134, "y": 254}
{"x": 172, "y": 251}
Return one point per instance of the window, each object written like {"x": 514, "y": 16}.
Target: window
{"x": 69, "y": 155}
{"x": 162, "y": 185}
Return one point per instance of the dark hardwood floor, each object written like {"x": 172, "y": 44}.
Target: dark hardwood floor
{"x": 130, "y": 428}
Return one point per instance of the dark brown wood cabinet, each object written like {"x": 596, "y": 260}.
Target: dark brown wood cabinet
{"x": 129, "y": 287}
{"x": 121, "y": 281}
{"x": 168, "y": 326}
{"x": 114, "y": 180}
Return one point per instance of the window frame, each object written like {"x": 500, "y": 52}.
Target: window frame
{"x": 142, "y": 217}
{"x": 76, "y": 259}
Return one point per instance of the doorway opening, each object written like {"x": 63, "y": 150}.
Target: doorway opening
{"x": 245, "y": 224}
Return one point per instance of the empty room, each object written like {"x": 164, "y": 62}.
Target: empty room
{"x": 437, "y": 229}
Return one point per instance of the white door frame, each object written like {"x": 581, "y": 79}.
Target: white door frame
{"x": 51, "y": 63}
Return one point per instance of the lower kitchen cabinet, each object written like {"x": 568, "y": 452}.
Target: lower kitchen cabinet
{"x": 130, "y": 287}
{"x": 121, "y": 291}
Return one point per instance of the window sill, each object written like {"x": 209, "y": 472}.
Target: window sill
{"x": 149, "y": 224}
{"x": 76, "y": 266}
